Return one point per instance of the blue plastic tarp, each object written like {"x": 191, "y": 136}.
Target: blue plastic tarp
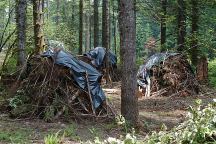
{"x": 97, "y": 56}
{"x": 78, "y": 70}
{"x": 144, "y": 70}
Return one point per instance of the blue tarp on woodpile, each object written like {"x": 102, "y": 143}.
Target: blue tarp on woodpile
{"x": 97, "y": 56}
{"x": 78, "y": 73}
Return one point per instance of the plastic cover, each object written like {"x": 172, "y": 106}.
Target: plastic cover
{"x": 78, "y": 72}
{"x": 154, "y": 60}
{"x": 97, "y": 55}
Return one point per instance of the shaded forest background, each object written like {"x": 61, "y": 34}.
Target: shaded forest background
{"x": 157, "y": 25}
{"x": 183, "y": 26}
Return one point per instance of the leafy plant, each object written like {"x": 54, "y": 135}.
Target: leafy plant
{"x": 53, "y": 138}
{"x": 94, "y": 131}
{"x": 15, "y": 101}
{"x": 49, "y": 113}
{"x": 199, "y": 128}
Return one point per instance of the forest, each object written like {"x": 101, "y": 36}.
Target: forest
{"x": 108, "y": 71}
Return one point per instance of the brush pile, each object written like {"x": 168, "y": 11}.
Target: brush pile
{"x": 59, "y": 86}
{"x": 169, "y": 74}
{"x": 97, "y": 58}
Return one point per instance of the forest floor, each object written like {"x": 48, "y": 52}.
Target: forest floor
{"x": 153, "y": 111}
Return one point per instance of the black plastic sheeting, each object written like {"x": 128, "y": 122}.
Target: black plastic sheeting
{"x": 78, "y": 72}
{"x": 144, "y": 70}
{"x": 97, "y": 55}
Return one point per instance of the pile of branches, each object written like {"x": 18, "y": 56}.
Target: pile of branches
{"x": 173, "y": 77}
{"x": 49, "y": 91}
{"x": 114, "y": 72}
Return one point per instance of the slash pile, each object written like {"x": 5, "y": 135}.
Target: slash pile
{"x": 50, "y": 91}
{"x": 170, "y": 75}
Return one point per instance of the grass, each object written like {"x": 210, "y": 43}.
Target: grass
{"x": 15, "y": 136}
{"x": 70, "y": 132}
{"x": 53, "y": 138}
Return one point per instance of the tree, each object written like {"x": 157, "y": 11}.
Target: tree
{"x": 73, "y": 12}
{"x": 80, "y": 26}
{"x": 58, "y": 12}
{"x": 194, "y": 30}
{"x": 21, "y": 6}
{"x": 47, "y": 6}
{"x": 114, "y": 26}
{"x": 38, "y": 26}
{"x": 163, "y": 24}
{"x": 88, "y": 27}
{"x": 181, "y": 25}
{"x": 105, "y": 36}
{"x": 129, "y": 100}
{"x": 96, "y": 24}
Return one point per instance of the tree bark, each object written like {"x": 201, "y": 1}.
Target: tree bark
{"x": 105, "y": 25}
{"x": 58, "y": 11}
{"x": 87, "y": 32}
{"x": 129, "y": 100}
{"x": 194, "y": 30}
{"x": 105, "y": 36}
{"x": 73, "y": 11}
{"x": 80, "y": 26}
{"x": 96, "y": 24}
{"x": 38, "y": 26}
{"x": 47, "y": 6}
{"x": 43, "y": 10}
{"x": 21, "y": 6}
{"x": 114, "y": 28}
{"x": 181, "y": 25}
{"x": 163, "y": 24}
{"x": 202, "y": 70}
{"x": 90, "y": 32}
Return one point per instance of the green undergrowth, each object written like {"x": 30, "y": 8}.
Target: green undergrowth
{"x": 212, "y": 73}
{"x": 198, "y": 128}
{"x": 18, "y": 135}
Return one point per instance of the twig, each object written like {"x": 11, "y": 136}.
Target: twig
{"x": 89, "y": 93}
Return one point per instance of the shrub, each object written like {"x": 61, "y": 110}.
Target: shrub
{"x": 53, "y": 138}
{"x": 212, "y": 73}
{"x": 199, "y": 128}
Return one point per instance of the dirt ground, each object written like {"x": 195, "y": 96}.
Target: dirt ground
{"x": 153, "y": 111}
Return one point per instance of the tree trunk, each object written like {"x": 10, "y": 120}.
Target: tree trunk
{"x": 194, "y": 30}
{"x": 105, "y": 24}
{"x": 87, "y": 32}
{"x": 73, "y": 11}
{"x": 64, "y": 11}
{"x": 105, "y": 36}
{"x": 129, "y": 100}
{"x": 21, "y": 6}
{"x": 114, "y": 28}
{"x": 96, "y": 24}
{"x": 38, "y": 26}
{"x": 58, "y": 11}
{"x": 202, "y": 70}
{"x": 80, "y": 26}
{"x": 110, "y": 23}
{"x": 181, "y": 25}
{"x": 90, "y": 32}
{"x": 163, "y": 24}
{"x": 47, "y": 6}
